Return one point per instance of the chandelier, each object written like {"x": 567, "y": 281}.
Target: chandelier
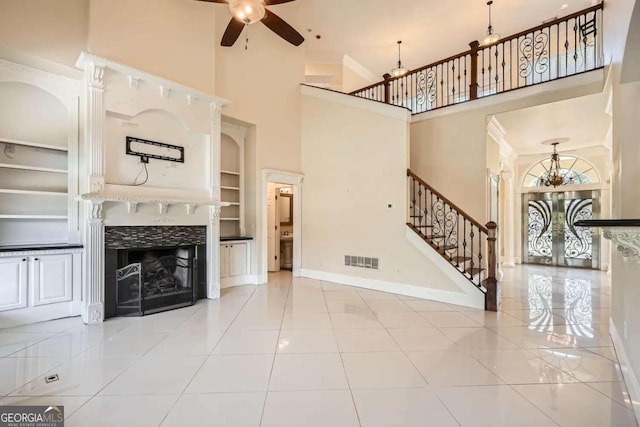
{"x": 399, "y": 71}
{"x": 554, "y": 177}
{"x": 490, "y": 38}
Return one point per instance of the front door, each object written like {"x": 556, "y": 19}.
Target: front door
{"x": 549, "y": 236}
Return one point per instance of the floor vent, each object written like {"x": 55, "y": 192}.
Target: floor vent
{"x": 361, "y": 262}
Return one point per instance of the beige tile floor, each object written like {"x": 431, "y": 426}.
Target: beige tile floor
{"x": 301, "y": 352}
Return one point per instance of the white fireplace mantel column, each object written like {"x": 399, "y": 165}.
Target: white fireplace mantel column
{"x": 213, "y": 229}
{"x": 93, "y": 309}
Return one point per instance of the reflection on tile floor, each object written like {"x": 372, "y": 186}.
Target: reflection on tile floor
{"x": 304, "y": 352}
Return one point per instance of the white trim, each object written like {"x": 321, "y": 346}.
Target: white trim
{"x": 466, "y": 287}
{"x": 165, "y": 86}
{"x": 381, "y": 108}
{"x": 630, "y": 378}
{"x": 397, "y": 288}
{"x": 590, "y": 82}
{"x": 360, "y": 69}
{"x": 232, "y": 282}
{"x": 294, "y": 179}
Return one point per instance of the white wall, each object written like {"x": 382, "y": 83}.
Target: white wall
{"x": 51, "y": 29}
{"x": 354, "y": 160}
{"x": 262, "y": 83}
{"x": 174, "y": 39}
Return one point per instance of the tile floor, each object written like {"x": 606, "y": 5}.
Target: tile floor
{"x": 301, "y": 352}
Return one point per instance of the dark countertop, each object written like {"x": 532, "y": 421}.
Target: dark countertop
{"x": 39, "y": 247}
{"x": 232, "y": 238}
{"x": 608, "y": 223}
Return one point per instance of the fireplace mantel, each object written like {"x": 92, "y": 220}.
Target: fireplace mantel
{"x": 163, "y": 203}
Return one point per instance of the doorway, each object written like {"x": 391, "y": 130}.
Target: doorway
{"x": 549, "y": 236}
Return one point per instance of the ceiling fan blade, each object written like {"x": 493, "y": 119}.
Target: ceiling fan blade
{"x": 233, "y": 31}
{"x": 272, "y": 2}
{"x": 281, "y": 28}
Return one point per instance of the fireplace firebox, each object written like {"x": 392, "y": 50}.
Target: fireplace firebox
{"x": 153, "y": 269}
{"x": 156, "y": 280}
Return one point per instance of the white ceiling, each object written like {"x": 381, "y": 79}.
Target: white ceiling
{"x": 368, "y": 30}
{"x": 583, "y": 120}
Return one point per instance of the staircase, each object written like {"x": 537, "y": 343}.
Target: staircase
{"x": 467, "y": 245}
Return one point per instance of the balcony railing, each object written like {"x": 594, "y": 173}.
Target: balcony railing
{"x": 560, "y": 48}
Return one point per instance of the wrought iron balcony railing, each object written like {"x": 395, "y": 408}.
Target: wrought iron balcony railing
{"x": 560, "y": 48}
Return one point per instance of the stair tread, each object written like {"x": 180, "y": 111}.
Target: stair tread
{"x": 460, "y": 259}
{"x": 434, "y": 236}
{"x": 446, "y": 248}
{"x": 475, "y": 270}
{"x": 419, "y": 226}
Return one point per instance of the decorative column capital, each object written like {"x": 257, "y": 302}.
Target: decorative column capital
{"x": 626, "y": 240}
{"x": 95, "y": 216}
{"x": 95, "y": 75}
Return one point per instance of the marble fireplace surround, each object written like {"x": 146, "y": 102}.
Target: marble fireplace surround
{"x": 117, "y": 100}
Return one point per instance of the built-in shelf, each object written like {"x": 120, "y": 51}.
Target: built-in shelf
{"x": 229, "y": 219}
{"x": 32, "y": 168}
{"x": 57, "y": 217}
{"x": 33, "y": 144}
{"x": 32, "y": 192}
{"x": 230, "y": 173}
{"x": 233, "y": 203}
{"x": 230, "y": 188}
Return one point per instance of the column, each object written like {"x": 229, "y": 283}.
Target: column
{"x": 508, "y": 222}
{"x": 93, "y": 310}
{"x": 213, "y": 229}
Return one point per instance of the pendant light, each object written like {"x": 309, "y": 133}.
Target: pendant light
{"x": 555, "y": 177}
{"x": 399, "y": 71}
{"x": 490, "y": 38}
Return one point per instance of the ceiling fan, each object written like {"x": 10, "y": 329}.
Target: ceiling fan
{"x": 246, "y": 12}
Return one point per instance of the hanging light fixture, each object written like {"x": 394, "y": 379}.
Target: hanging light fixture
{"x": 247, "y": 11}
{"x": 490, "y": 38}
{"x": 555, "y": 176}
{"x": 399, "y": 71}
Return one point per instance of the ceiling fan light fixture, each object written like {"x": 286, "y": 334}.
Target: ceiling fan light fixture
{"x": 491, "y": 37}
{"x": 247, "y": 11}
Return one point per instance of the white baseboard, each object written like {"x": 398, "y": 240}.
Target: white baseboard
{"x": 630, "y": 378}
{"x": 230, "y": 282}
{"x": 467, "y": 300}
{"x": 40, "y": 313}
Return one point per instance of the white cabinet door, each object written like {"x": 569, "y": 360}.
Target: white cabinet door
{"x": 13, "y": 283}
{"x": 224, "y": 260}
{"x": 51, "y": 279}
{"x": 238, "y": 259}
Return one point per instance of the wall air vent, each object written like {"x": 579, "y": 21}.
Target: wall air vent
{"x": 361, "y": 262}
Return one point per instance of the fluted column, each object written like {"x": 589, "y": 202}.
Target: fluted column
{"x": 93, "y": 295}
{"x": 213, "y": 229}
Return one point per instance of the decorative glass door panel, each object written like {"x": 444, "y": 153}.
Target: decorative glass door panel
{"x": 549, "y": 235}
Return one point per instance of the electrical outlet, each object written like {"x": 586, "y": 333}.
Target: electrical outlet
{"x": 9, "y": 148}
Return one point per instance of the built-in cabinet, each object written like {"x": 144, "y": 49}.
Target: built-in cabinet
{"x": 235, "y": 264}
{"x": 39, "y": 285}
{"x": 40, "y": 251}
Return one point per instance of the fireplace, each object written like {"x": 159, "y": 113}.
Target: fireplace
{"x": 153, "y": 269}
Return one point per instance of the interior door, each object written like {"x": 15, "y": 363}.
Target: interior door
{"x": 549, "y": 236}
{"x": 273, "y": 229}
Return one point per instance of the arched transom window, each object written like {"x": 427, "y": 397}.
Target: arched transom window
{"x": 574, "y": 171}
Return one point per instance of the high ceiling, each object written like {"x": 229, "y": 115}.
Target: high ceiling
{"x": 583, "y": 120}
{"x": 367, "y": 30}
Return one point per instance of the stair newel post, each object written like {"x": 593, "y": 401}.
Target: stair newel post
{"x": 473, "y": 86}
{"x": 492, "y": 299}
{"x": 387, "y": 88}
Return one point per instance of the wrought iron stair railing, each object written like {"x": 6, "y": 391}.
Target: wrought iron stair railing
{"x": 467, "y": 245}
{"x": 560, "y": 48}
